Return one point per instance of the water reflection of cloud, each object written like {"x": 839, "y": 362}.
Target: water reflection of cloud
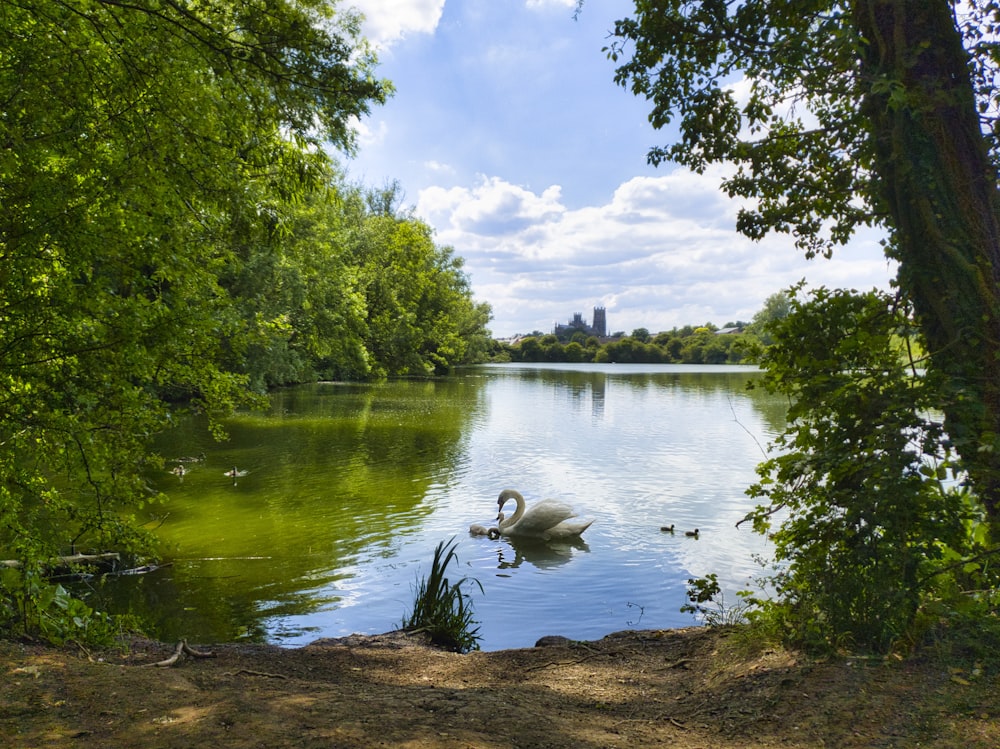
{"x": 355, "y": 524}
{"x": 682, "y": 450}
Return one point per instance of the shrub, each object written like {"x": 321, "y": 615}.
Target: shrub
{"x": 873, "y": 516}
{"x": 32, "y": 606}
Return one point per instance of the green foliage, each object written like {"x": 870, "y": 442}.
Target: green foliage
{"x": 30, "y": 605}
{"x": 574, "y": 352}
{"x": 706, "y": 590}
{"x": 842, "y": 116}
{"x": 174, "y": 232}
{"x": 838, "y": 117}
{"x": 420, "y": 316}
{"x": 776, "y": 308}
{"x": 881, "y": 95}
{"x": 803, "y": 178}
{"x": 681, "y": 345}
{"x": 340, "y": 288}
{"x": 441, "y": 608}
{"x": 872, "y": 511}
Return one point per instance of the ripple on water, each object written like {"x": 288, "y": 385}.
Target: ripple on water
{"x": 350, "y": 489}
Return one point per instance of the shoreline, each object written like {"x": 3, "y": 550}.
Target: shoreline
{"x": 684, "y": 688}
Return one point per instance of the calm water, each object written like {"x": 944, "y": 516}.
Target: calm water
{"x": 350, "y": 487}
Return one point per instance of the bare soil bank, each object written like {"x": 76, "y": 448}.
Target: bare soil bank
{"x": 680, "y": 688}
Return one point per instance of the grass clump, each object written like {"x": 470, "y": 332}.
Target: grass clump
{"x": 441, "y": 608}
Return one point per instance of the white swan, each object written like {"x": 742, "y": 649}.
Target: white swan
{"x": 548, "y": 520}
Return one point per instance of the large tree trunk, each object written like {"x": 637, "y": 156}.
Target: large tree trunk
{"x": 940, "y": 188}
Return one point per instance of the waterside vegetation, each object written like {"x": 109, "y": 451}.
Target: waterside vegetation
{"x": 733, "y": 343}
{"x": 442, "y": 608}
{"x": 177, "y": 234}
{"x": 686, "y": 345}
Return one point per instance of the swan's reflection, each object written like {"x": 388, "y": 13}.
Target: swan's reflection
{"x": 512, "y": 553}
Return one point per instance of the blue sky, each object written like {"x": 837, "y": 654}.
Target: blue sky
{"x": 509, "y": 136}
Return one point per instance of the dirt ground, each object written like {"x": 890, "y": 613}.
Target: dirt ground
{"x": 682, "y": 688}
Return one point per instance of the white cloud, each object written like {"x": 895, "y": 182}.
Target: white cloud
{"x": 568, "y": 214}
{"x": 551, "y": 3}
{"x": 388, "y": 21}
{"x": 662, "y": 252}
{"x": 438, "y": 167}
{"x": 492, "y": 207}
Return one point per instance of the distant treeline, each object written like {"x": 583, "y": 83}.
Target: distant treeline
{"x": 686, "y": 345}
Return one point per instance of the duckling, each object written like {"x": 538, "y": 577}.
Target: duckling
{"x": 236, "y": 474}
{"x": 692, "y": 534}
{"x": 179, "y": 470}
{"x": 667, "y": 528}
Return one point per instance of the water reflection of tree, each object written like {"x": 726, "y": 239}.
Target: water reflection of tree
{"x": 336, "y": 470}
{"x": 341, "y": 472}
{"x": 576, "y": 384}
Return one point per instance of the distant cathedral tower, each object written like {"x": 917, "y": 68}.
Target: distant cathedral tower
{"x": 600, "y": 321}
{"x": 577, "y": 325}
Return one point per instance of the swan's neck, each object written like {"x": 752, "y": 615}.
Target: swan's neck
{"x": 512, "y": 520}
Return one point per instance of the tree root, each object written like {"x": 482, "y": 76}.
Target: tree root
{"x": 248, "y": 672}
{"x": 183, "y": 649}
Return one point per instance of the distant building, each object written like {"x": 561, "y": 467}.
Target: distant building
{"x": 599, "y": 328}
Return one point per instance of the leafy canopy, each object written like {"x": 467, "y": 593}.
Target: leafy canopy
{"x": 777, "y": 89}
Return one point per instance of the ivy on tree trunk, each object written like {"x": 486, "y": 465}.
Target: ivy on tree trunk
{"x": 936, "y": 179}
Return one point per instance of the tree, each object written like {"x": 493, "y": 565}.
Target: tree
{"x": 776, "y": 308}
{"x": 294, "y": 291}
{"x": 140, "y": 144}
{"x": 342, "y": 284}
{"x": 843, "y": 115}
{"x": 421, "y": 319}
{"x": 529, "y": 349}
{"x": 574, "y": 352}
{"x": 673, "y": 348}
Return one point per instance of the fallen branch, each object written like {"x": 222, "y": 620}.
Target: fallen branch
{"x": 69, "y": 559}
{"x": 182, "y": 649}
{"x": 143, "y": 570}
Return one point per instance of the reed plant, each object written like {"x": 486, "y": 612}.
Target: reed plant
{"x": 441, "y": 608}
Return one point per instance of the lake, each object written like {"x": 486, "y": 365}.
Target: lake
{"x": 347, "y": 488}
